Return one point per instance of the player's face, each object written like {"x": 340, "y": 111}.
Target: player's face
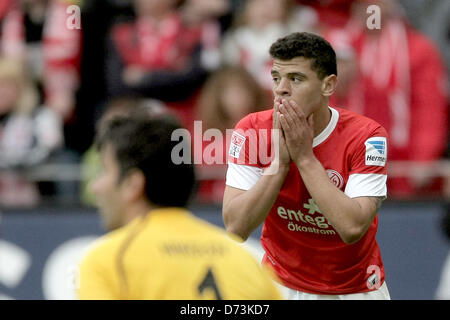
{"x": 109, "y": 191}
{"x": 294, "y": 79}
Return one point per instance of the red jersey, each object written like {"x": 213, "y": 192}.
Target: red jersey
{"x": 305, "y": 251}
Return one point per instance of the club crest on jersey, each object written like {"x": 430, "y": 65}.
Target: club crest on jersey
{"x": 336, "y": 178}
{"x": 237, "y": 141}
{"x": 376, "y": 151}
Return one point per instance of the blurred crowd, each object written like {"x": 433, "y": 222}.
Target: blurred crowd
{"x": 67, "y": 64}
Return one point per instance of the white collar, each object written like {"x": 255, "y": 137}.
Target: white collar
{"x": 321, "y": 137}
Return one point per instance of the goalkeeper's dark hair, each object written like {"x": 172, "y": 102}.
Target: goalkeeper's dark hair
{"x": 143, "y": 142}
{"x": 309, "y": 46}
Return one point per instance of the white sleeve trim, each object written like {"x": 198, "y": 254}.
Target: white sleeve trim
{"x": 242, "y": 177}
{"x": 366, "y": 185}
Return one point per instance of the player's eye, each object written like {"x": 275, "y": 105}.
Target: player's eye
{"x": 275, "y": 79}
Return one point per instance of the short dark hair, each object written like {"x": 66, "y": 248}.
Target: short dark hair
{"x": 144, "y": 143}
{"x": 309, "y": 46}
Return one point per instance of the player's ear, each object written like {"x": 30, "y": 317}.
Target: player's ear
{"x": 329, "y": 84}
{"x": 134, "y": 185}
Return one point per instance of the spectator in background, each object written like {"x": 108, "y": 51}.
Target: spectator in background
{"x": 347, "y": 92}
{"x": 400, "y": 82}
{"x": 260, "y": 23}
{"x": 228, "y": 95}
{"x": 203, "y": 16}
{"x": 97, "y": 18}
{"x": 330, "y": 13}
{"x": 159, "y": 55}
{"x": 36, "y": 32}
{"x": 29, "y": 134}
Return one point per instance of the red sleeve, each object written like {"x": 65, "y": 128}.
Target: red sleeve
{"x": 370, "y": 153}
{"x": 250, "y": 141}
{"x": 240, "y": 143}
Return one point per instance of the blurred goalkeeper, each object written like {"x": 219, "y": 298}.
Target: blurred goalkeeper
{"x": 158, "y": 249}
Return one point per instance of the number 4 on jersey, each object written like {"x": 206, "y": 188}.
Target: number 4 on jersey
{"x": 209, "y": 282}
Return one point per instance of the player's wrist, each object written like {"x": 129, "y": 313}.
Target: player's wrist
{"x": 306, "y": 162}
{"x": 277, "y": 168}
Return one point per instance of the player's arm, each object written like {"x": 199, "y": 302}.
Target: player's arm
{"x": 246, "y": 205}
{"x": 351, "y": 217}
{"x": 244, "y": 210}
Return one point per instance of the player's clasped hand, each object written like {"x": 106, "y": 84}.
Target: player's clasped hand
{"x": 298, "y": 130}
{"x": 283, "y": 157}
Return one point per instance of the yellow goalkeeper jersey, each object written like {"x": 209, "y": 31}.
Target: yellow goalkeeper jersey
{"x": 170, "y": 254}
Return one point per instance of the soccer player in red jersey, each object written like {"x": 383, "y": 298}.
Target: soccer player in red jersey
{"x": 320, "y": 191}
